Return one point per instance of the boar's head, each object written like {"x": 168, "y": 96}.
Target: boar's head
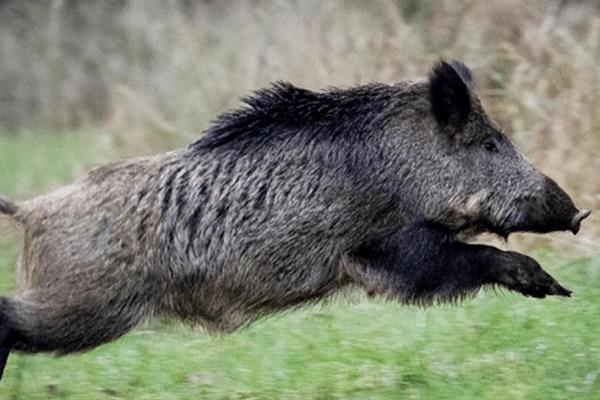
{"x": 477, "y": 179}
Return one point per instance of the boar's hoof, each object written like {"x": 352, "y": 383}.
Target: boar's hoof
{"x": 528, "y": 278}
{"x": 541, "y": 285}
{"x": 576, "y": 221}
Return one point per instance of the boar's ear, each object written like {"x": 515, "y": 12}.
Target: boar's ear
{"x": 449, "y": 93}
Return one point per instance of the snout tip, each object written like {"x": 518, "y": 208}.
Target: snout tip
{"x": 576, "y": 221}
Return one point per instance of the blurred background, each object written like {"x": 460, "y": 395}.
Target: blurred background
{"x": 83, "y": 82}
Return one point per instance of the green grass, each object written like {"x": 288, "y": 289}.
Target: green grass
{"x": 31, "y": 163}
{"x": 496, "y": 346}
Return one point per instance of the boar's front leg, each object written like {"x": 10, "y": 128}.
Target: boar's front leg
{"x": 522, "y": 274}
{"x": 423, "y": 265}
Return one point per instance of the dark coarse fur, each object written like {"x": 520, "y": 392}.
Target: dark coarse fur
{"x": 285, "y": 201}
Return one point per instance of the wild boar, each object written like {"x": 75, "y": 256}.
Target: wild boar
{"x": 281, "y": 202}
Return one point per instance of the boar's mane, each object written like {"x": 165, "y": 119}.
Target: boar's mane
{"x": 283, "y": 111}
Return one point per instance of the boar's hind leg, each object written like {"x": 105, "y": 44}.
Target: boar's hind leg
{"x": 64, "y": 323}
{"x": 423, "y": 265}
{"x": 6, "y": 341}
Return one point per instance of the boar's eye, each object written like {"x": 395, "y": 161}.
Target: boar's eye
{"x": 490, "y": 146}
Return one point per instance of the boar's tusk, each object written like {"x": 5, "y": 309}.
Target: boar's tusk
{"x": 576, "y": 221}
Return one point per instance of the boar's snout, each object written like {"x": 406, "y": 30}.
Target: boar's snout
{"x": 554, "y": 211}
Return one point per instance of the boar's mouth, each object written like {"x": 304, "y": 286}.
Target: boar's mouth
{"x": 540, "y": 223}
{"x": 553, "y": 211}
{"x": 546, "y": 209}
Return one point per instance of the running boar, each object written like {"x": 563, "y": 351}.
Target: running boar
{"x": 281, "y": 202}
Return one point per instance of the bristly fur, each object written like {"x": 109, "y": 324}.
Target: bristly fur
{"x": 283, "y": 110}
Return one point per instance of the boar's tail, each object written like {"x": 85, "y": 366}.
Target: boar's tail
{"x": 9, "y": 208}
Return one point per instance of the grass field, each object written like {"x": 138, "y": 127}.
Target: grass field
{"x": 496, "y": 346}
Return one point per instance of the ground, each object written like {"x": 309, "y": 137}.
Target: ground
{"x": 496, "y": 346}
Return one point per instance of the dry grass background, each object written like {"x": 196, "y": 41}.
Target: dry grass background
{"x": 154, "y": 74}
